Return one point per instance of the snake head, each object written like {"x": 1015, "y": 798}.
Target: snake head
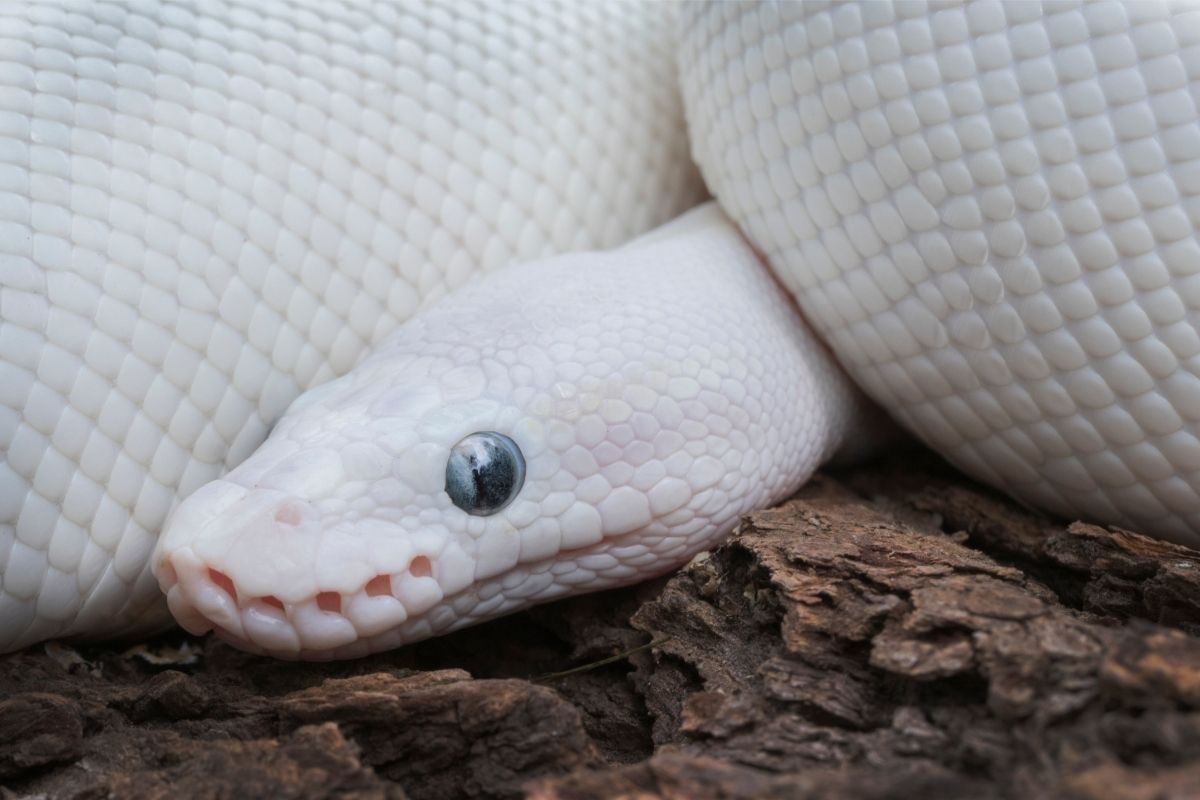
{"x": 560, "y": 427}
{"x": 338, "y": 536}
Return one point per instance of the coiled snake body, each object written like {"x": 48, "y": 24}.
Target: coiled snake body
{"x": 985, "y": 211}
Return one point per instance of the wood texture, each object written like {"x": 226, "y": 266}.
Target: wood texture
{"x": 891, "y": 631}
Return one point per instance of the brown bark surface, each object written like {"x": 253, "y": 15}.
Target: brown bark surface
{"x": 893, "y": 631}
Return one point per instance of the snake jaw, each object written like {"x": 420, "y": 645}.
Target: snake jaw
{"x": 204, "y": 599}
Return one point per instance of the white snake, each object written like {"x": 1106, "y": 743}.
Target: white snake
{"x": 986, "y": 212}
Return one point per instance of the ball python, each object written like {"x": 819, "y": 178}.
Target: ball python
{"x": 385, "y": 234}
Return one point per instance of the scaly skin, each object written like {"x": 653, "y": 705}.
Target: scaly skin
{"x": 206, "y": 209}
{"x": 987, "y": 211}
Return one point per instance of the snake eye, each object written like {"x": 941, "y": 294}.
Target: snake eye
{"x": 484, "y": 473}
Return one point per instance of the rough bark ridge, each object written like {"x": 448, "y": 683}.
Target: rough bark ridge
{"x": 894, "y": 631}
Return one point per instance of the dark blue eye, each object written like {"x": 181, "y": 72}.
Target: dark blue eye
{"x": 484, "y": 473}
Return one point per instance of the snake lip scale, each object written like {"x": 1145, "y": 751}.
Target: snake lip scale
{"x": 331, "y": 326}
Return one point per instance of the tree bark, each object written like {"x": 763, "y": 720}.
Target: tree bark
{"x": 892, "y": 631}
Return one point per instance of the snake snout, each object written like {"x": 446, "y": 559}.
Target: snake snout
{"x": 275, "y": 572}
{"x": 200, "y": 597}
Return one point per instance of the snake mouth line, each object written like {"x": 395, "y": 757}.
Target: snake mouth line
{"x": 203, "y": 598}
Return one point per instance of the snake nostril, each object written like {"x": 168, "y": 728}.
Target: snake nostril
{"x": 379, "y": 586}
{"x": 420, "y": 567}
{"x": 289, "y": 514}
{"x": 223, "y": 581}
{"x": 330, "y": 601}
